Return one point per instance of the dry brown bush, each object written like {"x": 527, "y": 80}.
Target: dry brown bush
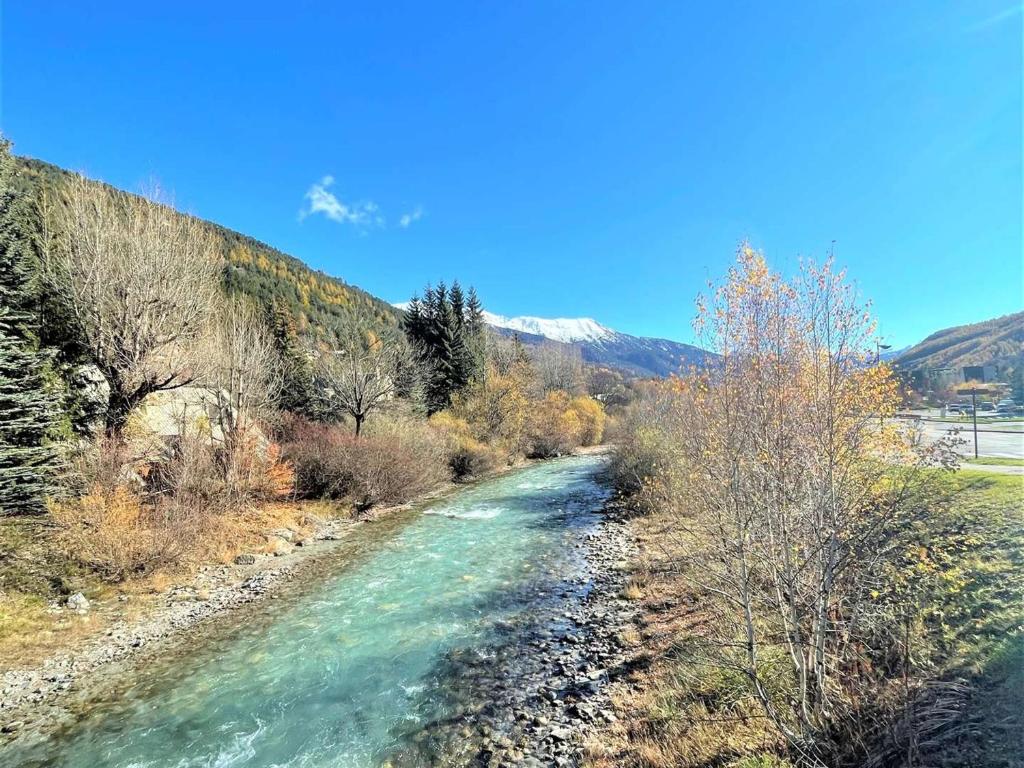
{"x": 114, "y": 532}
{"x": 467, "y": 455}
{"x": 135, "y": 515}
{"x": 393, "y": 461}
{"x": 397, "y": 461}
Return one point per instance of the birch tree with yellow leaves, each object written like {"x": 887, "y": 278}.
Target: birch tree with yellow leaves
{"x": 789, "y": 483}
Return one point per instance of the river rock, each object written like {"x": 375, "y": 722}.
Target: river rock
{"x": 78, "y": 602}
{"x": 279, "y": 547}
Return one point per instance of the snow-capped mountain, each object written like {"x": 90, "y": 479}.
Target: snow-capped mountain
{"x": 565, "y": 329}
{"x": 599, "y": 344}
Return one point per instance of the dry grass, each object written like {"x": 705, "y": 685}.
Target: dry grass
{"x": 667, "y": 716}
{"x": 633, "y": 590}
{"x": 673, "y": 712}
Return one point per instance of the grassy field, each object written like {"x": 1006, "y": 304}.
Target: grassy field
{"x": 967, "y": 555}
{"x": 32, "y": 574}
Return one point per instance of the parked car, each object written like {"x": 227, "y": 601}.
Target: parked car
{"x": 986, "y": 406}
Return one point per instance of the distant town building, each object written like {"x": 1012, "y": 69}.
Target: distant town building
{"x": 983, "y": 373}
{"x": 938, "y": 379}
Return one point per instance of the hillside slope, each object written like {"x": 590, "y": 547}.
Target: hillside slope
{"x": 320, "y": 304}
{"x": 999, "y": 341}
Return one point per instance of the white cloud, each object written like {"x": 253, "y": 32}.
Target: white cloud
{"x": 409, "y": 218}
{"x": 321, "y": 200}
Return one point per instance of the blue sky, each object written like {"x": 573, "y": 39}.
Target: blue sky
{"x": 599, "y": 159}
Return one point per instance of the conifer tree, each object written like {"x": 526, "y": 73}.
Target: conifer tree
{"x": 27, "y": 410}
{"x": 446, "y": 329}
{"x": 297, "y": 390}
{"x": 476, "y": 336}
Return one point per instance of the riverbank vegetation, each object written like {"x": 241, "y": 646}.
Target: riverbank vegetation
{"x": 171, "y": 395}
{"x": 821, "y": 588}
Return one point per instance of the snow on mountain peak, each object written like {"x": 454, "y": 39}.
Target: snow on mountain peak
{"x": 566, "y": 329}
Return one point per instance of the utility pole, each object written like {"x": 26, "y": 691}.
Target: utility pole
{"x": 974, "y": 392}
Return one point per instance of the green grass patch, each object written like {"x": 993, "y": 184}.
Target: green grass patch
{"x": 21, "y": 614}
{"x": 996, "y": 461}
{"x": 973, "y": 550}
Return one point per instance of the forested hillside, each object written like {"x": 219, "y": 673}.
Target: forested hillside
{"x": 320, "y": 304}
{"x": 999, "y": 342}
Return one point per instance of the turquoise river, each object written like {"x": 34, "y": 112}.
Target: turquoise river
{"x": 349, "y": 670}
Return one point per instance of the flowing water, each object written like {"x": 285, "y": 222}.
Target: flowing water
{"x": 349, "y": 672}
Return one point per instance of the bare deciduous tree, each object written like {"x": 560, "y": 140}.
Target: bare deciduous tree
{"x": 360, "y": 376}
{"x": 243, "y": 367}
{"x": 558, "y": 366}
{"x": 140, "y": 281}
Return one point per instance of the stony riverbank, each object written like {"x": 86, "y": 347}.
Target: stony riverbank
{"x": 37, "y": 698}
{"x": 34, "y": 699}
{"x": 545, "y": 691}
{"x": 549, "y": 718}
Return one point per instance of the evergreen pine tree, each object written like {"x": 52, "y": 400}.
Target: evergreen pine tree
{"x": 27, "y": 409}
{"x": 446, "y": 329}
{"x": 297, "y": 391}
{"x": 458, "y": 304}
{"x": 476, "y": 336}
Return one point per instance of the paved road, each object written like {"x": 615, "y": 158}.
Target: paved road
{"x": 1002, "y": 444}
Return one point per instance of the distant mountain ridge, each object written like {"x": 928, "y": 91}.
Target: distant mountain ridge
{"x": 600, "y": 345}
{"x": 998, "y": 342}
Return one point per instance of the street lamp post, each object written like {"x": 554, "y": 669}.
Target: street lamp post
{"x": 879, "y": 346}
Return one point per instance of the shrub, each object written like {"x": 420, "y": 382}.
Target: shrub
{"x": 245, "y": 469}
{"x": 319, "y": 455}
{"x": 467, "y": 456}
{"x": 113, "y": 532}
{"x": 554, "y": 427}
{"x": 107, "y": 464}
{"x": 592, "y": 419}
{"x": 254, "y": 470}
{"x": 393, "y": 461}
{"x": 396, "y": 461}
{"x": 495, "y": 408}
